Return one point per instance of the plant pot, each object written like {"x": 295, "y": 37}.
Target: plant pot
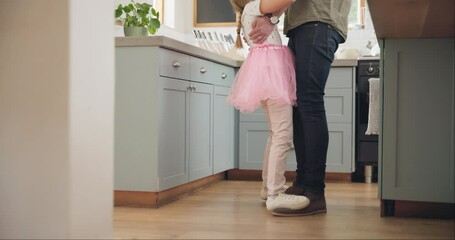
{"x": 135, "y": 31}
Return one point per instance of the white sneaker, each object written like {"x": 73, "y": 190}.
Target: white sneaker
{"x": 264, "y": 191}
{"x": 282, "y": 200}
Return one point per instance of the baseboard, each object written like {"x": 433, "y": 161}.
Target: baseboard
{"x": 256, "y": 175}
{"x": 412, "y": 209}
{"x": 135, "y": 199}
{"x": 157, "y": 199}
{"x": 181, "y": 191}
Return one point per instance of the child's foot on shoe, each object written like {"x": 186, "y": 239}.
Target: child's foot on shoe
{"x": 286, "y": 201}
{"x": 264, "y": 190}
{"x": 317, "y": 205}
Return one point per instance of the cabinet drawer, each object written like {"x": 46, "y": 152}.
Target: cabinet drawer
{"x": 201, "y": 70}
{"x": 224, "y": 75}
{"x": 340, "y": 77}
{"x": 174, "y": 64}
{"x": 209, "y": 72}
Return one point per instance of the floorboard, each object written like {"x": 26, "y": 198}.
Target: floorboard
{"x": 233, "y": 210}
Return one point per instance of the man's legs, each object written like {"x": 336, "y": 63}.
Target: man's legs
{"x": 314, "y": 45}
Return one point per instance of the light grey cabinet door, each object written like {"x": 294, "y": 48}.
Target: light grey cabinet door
{"x": 252, "y": 142}
{"x": 200, "y": 130}
{"x": 417, "y": 145}
{"x": 136, "y": 121}
{"x": 338, "y": 105}
{"x": 340, "y": 150}
{"x": 253, "y": 129}
{"x": 223, "y": 131}
{"x": 253, "y": 139}
{"x": 173, "y": 133}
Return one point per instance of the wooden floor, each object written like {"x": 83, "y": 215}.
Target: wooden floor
{"x": 233, "y": 210}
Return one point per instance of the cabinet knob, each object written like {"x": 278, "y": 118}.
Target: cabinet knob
{"x": 203, "y": 70}
{"x": 176, "y": 64}
{"x": 191, "y": 88}
{"x": 223, "y": 75}
{"x": 370, "y": 69}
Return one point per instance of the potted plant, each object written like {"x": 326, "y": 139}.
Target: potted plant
{"x": 138, "y": 18}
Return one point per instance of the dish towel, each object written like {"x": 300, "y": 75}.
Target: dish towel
{"x": 373, "y": 112}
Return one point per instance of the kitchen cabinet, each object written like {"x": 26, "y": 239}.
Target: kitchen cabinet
{"x": 200, "y": 131}
{"x": 168, "y": 104}
{"x": 223, "y": 131}
{"x": 185, "y": 132}
{"x": 339, "y": 104}
{"x": 418, "y": 120}
{"x": 173, "y": 141}
{"x": 417, "y": 131}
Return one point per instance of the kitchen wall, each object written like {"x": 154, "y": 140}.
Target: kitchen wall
{"x": 359, "y": 38}
{"x": 178, "y": 24}
{"x": 56, "y": 119}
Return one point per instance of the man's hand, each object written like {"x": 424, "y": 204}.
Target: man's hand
{"x": 262, "y": 27}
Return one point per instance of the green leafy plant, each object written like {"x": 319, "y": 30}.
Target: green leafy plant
{"x": 138, "y": 15}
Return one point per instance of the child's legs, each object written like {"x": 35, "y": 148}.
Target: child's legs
{"x": 280, "y": 122}
{"x": 267, "y": 147}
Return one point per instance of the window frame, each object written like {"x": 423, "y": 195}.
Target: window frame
{"x": 360, "y": 24}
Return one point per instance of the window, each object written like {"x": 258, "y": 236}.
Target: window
{"x": 357, "y": 14}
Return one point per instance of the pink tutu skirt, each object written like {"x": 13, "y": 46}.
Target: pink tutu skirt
{"x": 267, "y": 73}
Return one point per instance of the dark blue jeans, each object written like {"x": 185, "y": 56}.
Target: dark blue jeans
{"x": 314, "y": 45}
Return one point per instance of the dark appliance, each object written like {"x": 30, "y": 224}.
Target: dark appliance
{"x": 366, "y": 146}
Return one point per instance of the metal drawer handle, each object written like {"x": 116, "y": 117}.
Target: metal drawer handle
{"x": 223, "y": 75}
{"x": 176, "y": 64}
{"x": 191, "y": 88}
{"x": 203, "y": 70}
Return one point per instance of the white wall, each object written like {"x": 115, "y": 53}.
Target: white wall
{"x": 56, "y": 119}
{"x": 358, "y": 38}
{"x": 179, "y": 25}
{"x": 174, "y": 27}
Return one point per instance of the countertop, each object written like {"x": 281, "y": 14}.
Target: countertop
{"x": 172, "y": 44}
{"x": 412, "y": 18}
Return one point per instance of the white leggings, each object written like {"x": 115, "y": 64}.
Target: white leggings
{"x": 279, "y": 117}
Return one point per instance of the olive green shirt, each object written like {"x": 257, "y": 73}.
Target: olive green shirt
{"x": 332, "y": 12}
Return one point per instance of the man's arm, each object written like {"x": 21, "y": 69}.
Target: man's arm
{"x": 262, "y": 27}
{"x": 273, "y": 6}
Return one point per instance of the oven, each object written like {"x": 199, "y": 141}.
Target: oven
{"x": 366, "y": 146}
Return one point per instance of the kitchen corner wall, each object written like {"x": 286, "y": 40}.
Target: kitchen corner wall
{"x": 56, "y": 119}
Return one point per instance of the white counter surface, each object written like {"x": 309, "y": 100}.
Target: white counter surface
{"x": 172, "y": 44}
{"x": 182, "y": 47}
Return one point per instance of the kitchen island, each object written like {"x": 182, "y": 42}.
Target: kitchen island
{"x": 416, "y": 142}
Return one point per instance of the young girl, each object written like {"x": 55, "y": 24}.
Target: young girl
{"x": 267, "y": 79}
